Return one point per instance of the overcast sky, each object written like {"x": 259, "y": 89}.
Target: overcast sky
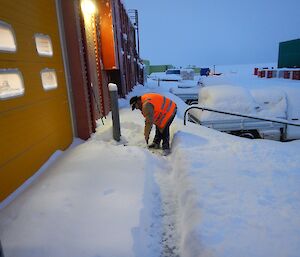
{"x": 198, "y": 32}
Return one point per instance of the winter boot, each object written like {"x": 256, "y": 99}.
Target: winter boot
{"x": 166, "y": 151}
{"x": 154, "y": 146}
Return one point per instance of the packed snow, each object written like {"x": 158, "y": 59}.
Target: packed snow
{"x": 214, "y": 195}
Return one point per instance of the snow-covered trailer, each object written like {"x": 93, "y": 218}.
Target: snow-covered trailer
{"x": 259, "y": 114}
{"x": 245, "y": 126}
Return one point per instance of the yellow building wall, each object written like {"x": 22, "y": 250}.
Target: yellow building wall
{"x": 32, "y": 126}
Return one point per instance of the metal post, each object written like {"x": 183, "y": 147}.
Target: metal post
{"x": 1, "y": 250}
{"x": 113, "y": 90}
{"x": 134, "y": 16}
{"x": 137, "y": 30}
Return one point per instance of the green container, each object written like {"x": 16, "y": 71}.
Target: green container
{"x": 289, "y": 54}
{"x": 160, "y": 68}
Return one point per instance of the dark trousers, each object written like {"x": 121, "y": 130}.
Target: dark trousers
{"x": 164, "y": 135}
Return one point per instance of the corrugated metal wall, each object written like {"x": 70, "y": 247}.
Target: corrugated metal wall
{"x": 85, "y": 124}
{"x": 36, "y": 124}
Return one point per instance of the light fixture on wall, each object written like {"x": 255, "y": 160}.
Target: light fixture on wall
{"x": 88, "y": 7}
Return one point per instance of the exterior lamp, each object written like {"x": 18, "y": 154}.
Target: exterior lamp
{"x": 88, "y": 7}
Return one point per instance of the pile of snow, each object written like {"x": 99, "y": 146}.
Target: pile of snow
{"x": 244, "y": 195}
{"x": 268, "y": 103}
{"x": 225, "y": 98}
{"x": 272, "y": 102}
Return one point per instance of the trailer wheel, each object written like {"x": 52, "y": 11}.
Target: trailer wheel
{"x": 247, "y": 135}
{"x": 251, "y": 134}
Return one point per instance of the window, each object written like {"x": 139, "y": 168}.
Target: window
{"x": 11, "y": 83}
{"x": 49, "y": 79}
{"x": 43, "y": 45}
{"x": 7, "y": 38}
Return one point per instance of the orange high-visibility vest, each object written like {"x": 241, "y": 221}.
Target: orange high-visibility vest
{"x": 164, "y": 108}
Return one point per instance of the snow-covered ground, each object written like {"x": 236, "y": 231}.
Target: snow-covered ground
{"x": 214, "y": 195}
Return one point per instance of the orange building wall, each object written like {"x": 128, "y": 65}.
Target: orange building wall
{"x": 107, "y": 35}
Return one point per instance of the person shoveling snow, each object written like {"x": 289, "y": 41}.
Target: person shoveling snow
{"x": 158, "y": 110}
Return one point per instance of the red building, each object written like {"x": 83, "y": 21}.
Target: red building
{"x": 101, "y": 48}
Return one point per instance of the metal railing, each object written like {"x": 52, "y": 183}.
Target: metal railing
{"x": 280, "y": 121}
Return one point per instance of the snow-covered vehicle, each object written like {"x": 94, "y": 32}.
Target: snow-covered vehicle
{"x": 163, "y": 76}
{"x": 173, "y": 75}
{"x": 268, "y": 107}
{"x": 187, "y": 90}
{"x": 188, "y": 95}
{"x": 185, "y": 74}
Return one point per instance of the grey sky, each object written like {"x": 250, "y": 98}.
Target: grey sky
{"x": 198, "y": 32}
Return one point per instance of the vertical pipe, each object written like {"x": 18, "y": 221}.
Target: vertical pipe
{"x": 1, "y": 250}
{"x": 137, "y": 30}
{"x": 113, "y": 91}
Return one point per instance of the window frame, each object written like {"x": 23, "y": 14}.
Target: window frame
{"x": 10, "y": 27}
{"x": 41, "y": 75}
{"x": 18, "y": 72}
{"x": 40, "y": 35}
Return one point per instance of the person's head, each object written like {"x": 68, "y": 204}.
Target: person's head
{"x": 136, "y": 102}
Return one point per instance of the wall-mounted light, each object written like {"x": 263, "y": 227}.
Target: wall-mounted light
{"x": 88, "y": 7}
